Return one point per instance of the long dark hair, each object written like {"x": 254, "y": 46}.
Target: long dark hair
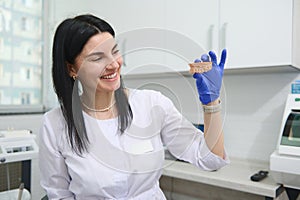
{"x": 69, "y": 39}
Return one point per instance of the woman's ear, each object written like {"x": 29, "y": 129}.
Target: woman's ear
{"x": 71, "y": 70}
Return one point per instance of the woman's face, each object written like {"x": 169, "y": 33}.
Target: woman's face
{"x": 99, "y": 64}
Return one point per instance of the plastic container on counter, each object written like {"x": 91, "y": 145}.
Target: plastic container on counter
{"x": 295, "y": 89}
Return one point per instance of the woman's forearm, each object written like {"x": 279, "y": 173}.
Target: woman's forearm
{"x": 213, "y": 131}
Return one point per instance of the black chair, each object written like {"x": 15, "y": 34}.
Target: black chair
{"x": 45, "y": 198}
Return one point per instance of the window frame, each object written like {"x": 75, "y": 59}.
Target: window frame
{"x": 6, "y": 109}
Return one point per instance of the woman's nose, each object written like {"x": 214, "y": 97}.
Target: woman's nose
{"x": 114, "y": 64}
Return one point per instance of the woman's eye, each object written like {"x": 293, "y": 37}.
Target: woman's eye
{"x": 116, "y": 51}
{"x": 95, "y": 59}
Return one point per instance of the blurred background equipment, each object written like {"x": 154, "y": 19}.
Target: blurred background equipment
{"x": 17, "y": 149}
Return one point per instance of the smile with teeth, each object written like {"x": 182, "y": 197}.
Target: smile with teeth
{"x": 109, "y": 76}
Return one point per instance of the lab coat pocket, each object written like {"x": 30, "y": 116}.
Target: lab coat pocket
{"x": 119, "y": 185}
{"x": 142, "y": 154}
{"x": 138, "y": 146}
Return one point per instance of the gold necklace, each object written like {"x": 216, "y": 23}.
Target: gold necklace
{"x": 98, "y": 110}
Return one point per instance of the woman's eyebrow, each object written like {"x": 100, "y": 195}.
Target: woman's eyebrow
{"x": 116, "y": 45}
{"x": 99, "y": 53}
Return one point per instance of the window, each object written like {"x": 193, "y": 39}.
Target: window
{"x": 21, "y": 55}
{"x": 25, "y": 98}
{"x": 24, "y": 23}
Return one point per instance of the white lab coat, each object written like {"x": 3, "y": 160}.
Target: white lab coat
{"x": 120, "y": 166}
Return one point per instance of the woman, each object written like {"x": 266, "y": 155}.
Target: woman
{"x": 106, "y": 141}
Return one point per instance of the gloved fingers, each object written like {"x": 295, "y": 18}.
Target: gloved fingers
{"x": 213, "y": 57}
{"x": 197, "y": 76}
{"x": 199, "y": 79}
{"x": 197, "y": 60}
{"x": 223, "y": 58}
{"x": 205, "y": 58}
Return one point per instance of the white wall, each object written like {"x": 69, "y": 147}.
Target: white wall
{"x": 255, "y": 105}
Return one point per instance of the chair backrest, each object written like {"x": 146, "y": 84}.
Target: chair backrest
{"x": 44, "y": 198}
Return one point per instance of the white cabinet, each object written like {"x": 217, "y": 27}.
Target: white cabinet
{"x": 296, "y": 34}
{"x": 256, "y": 33}
{"x": 139, "y": 26}
{"x": 131, "y": 20}
{"x": 195, "y": 23}
{"x": 185, "y": 30}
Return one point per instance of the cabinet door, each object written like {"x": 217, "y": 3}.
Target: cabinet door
{"x": 196, "y": 25}
{"x": 138, "y": 26}
{"x": 256, "y": 32}
{"x": 185, "y": 31}
{"x": 131, "y": 20}
{"x": 123, "y": 15}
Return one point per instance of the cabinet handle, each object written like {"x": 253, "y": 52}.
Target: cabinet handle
{"x": 224, "y": 36}
{"x": 211, "y": 36}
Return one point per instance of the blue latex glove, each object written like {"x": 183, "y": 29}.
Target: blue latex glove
{"x": 209, "y": 83}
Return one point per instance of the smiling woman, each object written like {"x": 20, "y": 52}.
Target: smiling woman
{"x": 98, "y": 67}
{"x": 106, "y": 141}
{"x": 85, "y": 58}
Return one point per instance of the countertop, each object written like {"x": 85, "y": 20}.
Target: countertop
{"x": 234, "y": 176}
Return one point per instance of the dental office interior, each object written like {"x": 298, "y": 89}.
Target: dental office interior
{"x": 158, "y": 39}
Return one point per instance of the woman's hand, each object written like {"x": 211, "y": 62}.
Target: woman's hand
{"x": 209, "y": 83}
